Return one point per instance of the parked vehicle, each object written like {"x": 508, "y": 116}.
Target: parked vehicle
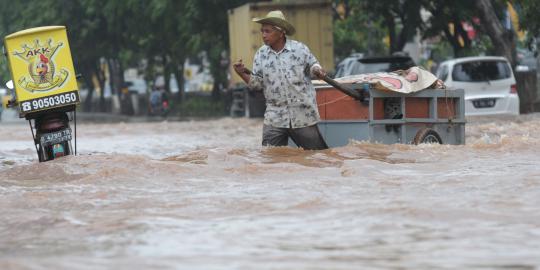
{"x": 360, "y": 64}
{"x": 488, "y": 81}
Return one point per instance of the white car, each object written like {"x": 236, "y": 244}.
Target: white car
{"x": 488, "y": 81}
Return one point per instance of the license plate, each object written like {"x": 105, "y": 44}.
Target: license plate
{"x": 55, "y": 137}
{"x": 484, "y": 103}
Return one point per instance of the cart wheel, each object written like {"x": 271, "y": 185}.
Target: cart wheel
{"x": 427, "y": 135}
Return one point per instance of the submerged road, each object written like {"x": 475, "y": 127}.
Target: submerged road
{"x": 205, "y": 195}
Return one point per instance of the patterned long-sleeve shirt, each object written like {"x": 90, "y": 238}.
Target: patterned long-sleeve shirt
{"x": 284, "y": 77}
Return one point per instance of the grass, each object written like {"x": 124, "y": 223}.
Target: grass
{"x": 199, "y": 106}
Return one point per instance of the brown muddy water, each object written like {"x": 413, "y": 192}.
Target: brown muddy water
{"x": 205, "y": 195}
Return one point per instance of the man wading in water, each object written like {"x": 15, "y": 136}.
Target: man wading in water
{"x": 282, "y": 68}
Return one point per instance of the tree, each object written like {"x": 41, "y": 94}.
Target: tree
{"x": 206, "y": 22}
{"x": 363, "y": 24}
{"x": 504, "y": 40}
{"x": 355, "y": 31}
{"x": 162, "y": 40}
{"x": 529, "y": 11}
{"x": 10, "y": 22}
{"x": 401, "y": 19}
{"x": 447, "y": 19}
{"x": 528, "y": 20}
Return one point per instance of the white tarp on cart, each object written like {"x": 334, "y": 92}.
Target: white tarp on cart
{"x": 404, "y": 81}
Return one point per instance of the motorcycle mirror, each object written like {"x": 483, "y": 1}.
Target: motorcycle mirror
{"x": 9, "y": 84}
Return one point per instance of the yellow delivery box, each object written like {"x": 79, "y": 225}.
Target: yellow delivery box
{"x": 42, "y": 69}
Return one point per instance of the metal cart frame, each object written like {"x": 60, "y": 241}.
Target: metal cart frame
{"x": 391, "y": 117}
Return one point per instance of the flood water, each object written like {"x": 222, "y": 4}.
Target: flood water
{"x": 205, "y": 195}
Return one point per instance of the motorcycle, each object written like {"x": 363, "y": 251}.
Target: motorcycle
{"x": 44, "y": 88}
{"x": 53, "y": 133}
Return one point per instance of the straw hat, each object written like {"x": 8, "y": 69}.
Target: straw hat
{"x": 277, "y": 18}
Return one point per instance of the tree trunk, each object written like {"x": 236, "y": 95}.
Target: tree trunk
{"x": 403, "y": 35}
{"x": 100, "y": 74}
{"x": 126, "y": 106}
{"x": 149, "y": 72}
{"x": 453, "y": 41}
{"x": 126, "y": 103}
{"x": 110, "y": 63}
{"x": 504, "y": 41}
{"x": 87, "y": 74}
{"x": 179, "y": 75}
{"x": 117, "y": 82}
{"x": 220, "y": 75}
{"x": 166, "y": 73}
{"x": 167, "y": 80}
{"x": 389, "y": 19}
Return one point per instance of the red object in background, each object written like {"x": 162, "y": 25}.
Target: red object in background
{"x": 469, "y": 28}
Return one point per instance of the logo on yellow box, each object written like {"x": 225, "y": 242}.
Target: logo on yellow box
{"x": 42, "y": 74}
{"x": 42, "y": 69}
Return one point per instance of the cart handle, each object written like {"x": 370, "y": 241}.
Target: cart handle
{"x": 346, "y": 90}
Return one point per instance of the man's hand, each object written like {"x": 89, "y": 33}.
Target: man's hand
{"x": 240, "y": 68}
{"x": 319, "y": 72}
{"x": 242, "y": 71}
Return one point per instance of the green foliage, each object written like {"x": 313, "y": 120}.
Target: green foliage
{"x": 441, "y": 20}
{"x": 364, "y": 25}
{"x": 165, "y": 32}
{"x": 529, "y": 11}
{"x": 400, "y": 19}
{"x": 356, "y": 31}
{"x": 208, "y": 31}
{"x": 199, "y": 106}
